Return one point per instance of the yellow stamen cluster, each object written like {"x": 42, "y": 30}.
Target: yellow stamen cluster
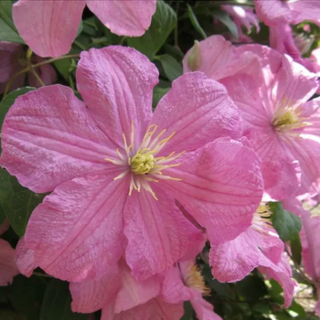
{"x": 142, "y": 164}
{"x": 194, "y": 280}
{"x": 262, "y": 218}
{"x": 288, "y": 119}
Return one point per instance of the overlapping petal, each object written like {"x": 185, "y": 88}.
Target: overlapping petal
{"x": 77, "y": 232}
{"x": 90, "y": 296}
{"x": 48, "y": 27}
{"x": 117, "y": 83}
{"x": 49, "y": 137}
{"x": 221, "y": 187}
{"x": 128, "y": 18}
{"x": 198, "y": 110}
{"x": 157, "y": 232}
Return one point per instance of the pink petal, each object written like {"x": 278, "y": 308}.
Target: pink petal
{"x": 294, "y": 84}
{"x": 49, "y": 137}
{"x": 117, "y": 84}
{"x": 235, "y": 259}
{"x": 6, "y": 66}
{"x": 306, "y": 149}
{"x": 273, "y": 12}
{"x": 25, "y": 259}
{"x": 204, "y": 309}
{"x": 8, "y": 268}
{"x": 198, "y": 110}
{"x": 281, "y": 171}
{"x": 310, "y": 242}
{"x": 48, "y": 27}
{"x": 311, "y": 111}
{"x": 158, "y": 234}
{"x": 174, "y": 289}
{"x": 154, "y": 309}
{"x": 215, "y": 53}
{"x": 308, "y": 10}
{"x": 282, "y": 273}
{"x": 124, "y": 18}
{"x": 134, "y": 293}
{"x": 77, "y": 232}
{"x": 90, "y": 296}
{"x": 221, "y": 187}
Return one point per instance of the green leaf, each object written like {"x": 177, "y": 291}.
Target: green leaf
{"x": 63, "y": 66}
{"x": 6, "y": 14}
{"x": 9, "y": 99}
{"x": 158, "y": 93}
{"x": 286, "y": 223}
{"x": 8, "y": 31}
{"x": 57, "y": 303}
{"x": 17, "y": 202}
{"x": 296, "y": 249}
{"x": 26, "y": 296}
{"x": 163, "y": 22}
{"x": 227, "y": 21}
{"x": 297, "y": 308}
{"x": 188, "y": 311}
{"x": 196, "y": 23}
{"x": 171, "y": 67}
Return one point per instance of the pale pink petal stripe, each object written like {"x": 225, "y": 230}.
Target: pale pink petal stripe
{"x": 117, "y": 84}
{"x": 48, "y": 27}
{"x": 49, "y": 137}
{"x": 221, "y": 187}
{"x": 197, "y": 110}
{"x": 77, "y": 232}
{"x": 158, "y": 234}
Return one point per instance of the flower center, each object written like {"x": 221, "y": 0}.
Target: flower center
{"x": 262, "y": 218}
{"x": 142, "y": 163}
{"x": 193, "y": 279}
{"x": 288, "y": 119}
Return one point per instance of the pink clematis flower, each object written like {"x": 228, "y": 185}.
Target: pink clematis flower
{"x": 259, "y": 246}
{"x": 272, "y": 92}
{"x": 8, "y": 268}
{"x": 50, "y": 27}
{"x": 115, "y": 168}
{"x": 292, "y": 11}
{"x": 242, "y": 17}
{"x": 13, "y": 59}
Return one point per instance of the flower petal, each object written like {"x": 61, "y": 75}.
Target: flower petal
{"x": 221, "y": 187}
{"x": 49, "y": 137}
{"x": 25, "y": 259}
{"x": 48, "y": 27}
{"x": 281, "y": 171}
{"x": 124, "y": 18}
{"x": 155, "y": 309}
{"x": 134, "y": 293}
{"x": 282, "y": 273}
{"x": 77, "y": 232}
{"x": 116, "y": 83}
{"x": 173, "y": 289}
{"x": 158, "y": 234}
{"x": 293, "y": 84}
{"x": 204, "y": 309}
{"x": 8, "y": 268}
{"x": 306, "y": 149}
{"x": 198, "y": 110}
{"x": 90, "y": 296}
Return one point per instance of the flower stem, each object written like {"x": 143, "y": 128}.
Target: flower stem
{"x": 31, "y": 68}
{"x": 37, "y": 77}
